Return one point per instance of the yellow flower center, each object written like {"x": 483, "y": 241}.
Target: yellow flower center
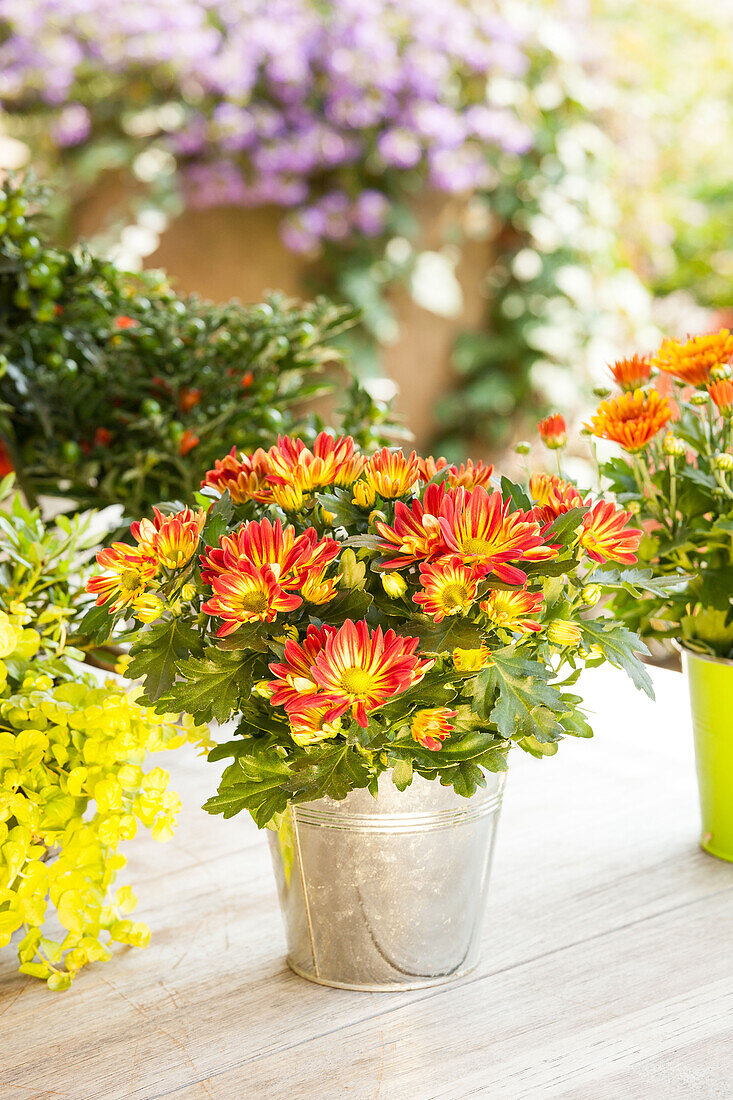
{"x": 455, "y": 596}
{"x": 476, "y": 546}
{"x": 130, "y": 580}
{"x": 255, "y": 602}
{"x": 355, "y": 681}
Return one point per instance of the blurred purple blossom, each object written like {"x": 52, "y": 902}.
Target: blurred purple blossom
{"x": 290, "y": 102}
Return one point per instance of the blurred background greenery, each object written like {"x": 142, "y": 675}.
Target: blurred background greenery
{"x": 511, "y": 194}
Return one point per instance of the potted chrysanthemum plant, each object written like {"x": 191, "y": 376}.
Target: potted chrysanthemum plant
{"x": 374, "y": 624}
{"x": 673, "y": 419}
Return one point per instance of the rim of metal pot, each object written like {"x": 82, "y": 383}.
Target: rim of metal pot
{"x": 701, "y": 656}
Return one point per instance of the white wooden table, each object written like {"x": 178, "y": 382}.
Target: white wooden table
{"x": 607, "y": 971}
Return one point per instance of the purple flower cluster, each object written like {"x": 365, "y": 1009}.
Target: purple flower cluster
{"x": 324, "y": 109}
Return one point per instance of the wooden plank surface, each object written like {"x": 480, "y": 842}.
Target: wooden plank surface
{"x": 607, "y": 970}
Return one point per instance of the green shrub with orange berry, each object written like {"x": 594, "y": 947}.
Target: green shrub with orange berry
{"x": 116, "y": 390}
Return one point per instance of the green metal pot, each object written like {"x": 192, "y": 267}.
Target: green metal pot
{"x": 711, "y": 701}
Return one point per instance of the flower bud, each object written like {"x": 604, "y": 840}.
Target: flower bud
{"x": 327, "y": 517}
{"x": 673, "y": 447}
{"x": 364, "y": 494}
{"x": 698, "y": 399}
{"x": 562, "y": 632}
{"x": 720, "y": 372}
{"x": 394, "y": 584}
{"x": 263, "y": 688}
{"x": 591, "y": 594}
{"x": 188, "y": 591}
{"x": 147, "y": 608}
{"x": 601, "y": 391}
{"x": 723, "y": 461}
{"x": 522, "y": 448}
{"x": 633, "y": 507}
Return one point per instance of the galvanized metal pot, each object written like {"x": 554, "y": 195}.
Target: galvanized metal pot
{"x": 711, "y": 700}
{"x": 387, "y": 893}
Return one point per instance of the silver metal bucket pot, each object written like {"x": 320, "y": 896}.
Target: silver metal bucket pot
{"x": 387, "y": 893}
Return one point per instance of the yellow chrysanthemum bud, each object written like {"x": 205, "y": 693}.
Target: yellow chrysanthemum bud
{"x": 188, "y": 591}
{"x": 723, "y": 461}
{"x": 364, "y": 494}
{"x": 720, "y": 373}
{"x": 147, "y": 608}
{"x": 562, "y": 632}
{"x": 673, "y": 447}
{"x": 699, "y": 399}
{"x": 327, "y": 517}
{"x": 263, "y": 688}
{"x": 633, "y": 507}
{"x": 394, "y": 584}
{"x": 470, "y": 660}
{"x": 591, "y": 594}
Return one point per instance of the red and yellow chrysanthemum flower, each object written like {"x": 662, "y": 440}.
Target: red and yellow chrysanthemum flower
{"x": 172, "y": 539}
{"x": 605, "y": 537}
{"x": 691, "y": 361}
{"x": 294, "y": 683}
{"x": 293, "y": 558}
{"x": 416, "y": 534}
{"x": 513, "y": 610}
{"x": 483, "y": 531}
{"x": 310, "y": 723}
{"x": 356, "y": 670}
{"x": 471, "y": 660}
{"x": 391, "y": 474}
{"x": 631, "y": 373}
{"x": 553, "y": 497}
{"x": 431, "y": 726}
{"x": 245, "y": 477}
{"x": 448, "y": 588}
{"x": 297, "y": 470}
{"x": 721, "y": 393}
{"x": 553, "y": 432}
{"x": 128, "y": 571}
{"x": 633, "y": 419}
{"x": 248, "y": 594}
{"x": 466, "y": 476}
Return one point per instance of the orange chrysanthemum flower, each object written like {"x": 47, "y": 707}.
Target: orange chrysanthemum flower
{"x": 605, "y": 536}
{"x": 173, "y": 539}
{"x": 128, "y": 569}
{"x": 512, "y": 610}
{"x": 691, "y": 362}
{"x": 245, "y": 478}
{"x": 553, "y": 432}
{"x": 430, "y": 727}
{"x": 632, "y": 373}
{"x": 633, "y": 419}
{"x": 429, "y": 467}
{"x": 483, "y": 531}
{"x": 293, "y": 558}
{"x": 248, "y": 594}
{"x": 721, "y": 393}
{"x": 417, "y": 534}
{"x": 296, "y": 469}
{"x": 391, "y": 474}
{"x": 448, "y": 588}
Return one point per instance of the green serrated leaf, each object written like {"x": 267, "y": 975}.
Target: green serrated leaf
{"x": 621, "y": 647}
{"x": 213, "y": 685}
{"x": 155, "y": 653}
